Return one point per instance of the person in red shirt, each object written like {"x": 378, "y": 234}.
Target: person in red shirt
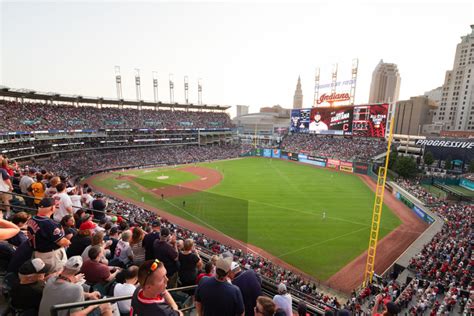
{"x": 208, "y": 271}
{"x": 390, "y": 308}
{"x": 95, "y": 271}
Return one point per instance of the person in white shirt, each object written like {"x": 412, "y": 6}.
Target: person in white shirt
{"x": 283, "y": 300}
{"x": 65, "y": 203}
{"x": 127, "y": 288}
{"x": 317, "y": 125}
{"x": 87, "y": 198}
{"x": 75, "y": 197}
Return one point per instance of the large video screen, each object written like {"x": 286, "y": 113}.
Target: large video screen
{"x": 360, "y": 120}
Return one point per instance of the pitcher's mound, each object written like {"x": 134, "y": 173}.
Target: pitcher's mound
{"x": 162, "y": 177}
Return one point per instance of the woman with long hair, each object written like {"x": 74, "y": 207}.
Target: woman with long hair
{"x": 136, "y": 243}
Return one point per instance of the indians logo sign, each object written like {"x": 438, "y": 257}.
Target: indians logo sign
{"x": 333, "y": 97}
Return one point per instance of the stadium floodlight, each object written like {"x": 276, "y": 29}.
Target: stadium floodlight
{"x": 137, "y": 84}
{"x": 155, "y": 85}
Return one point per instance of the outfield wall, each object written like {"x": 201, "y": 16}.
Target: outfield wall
{"x": 413, "y": 203}
{"x": 303, "y": 157}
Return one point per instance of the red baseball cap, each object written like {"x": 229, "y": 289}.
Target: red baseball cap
{"x": 87, "y": 225}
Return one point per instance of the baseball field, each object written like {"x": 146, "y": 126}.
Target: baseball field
{"x": 314, "y": 219}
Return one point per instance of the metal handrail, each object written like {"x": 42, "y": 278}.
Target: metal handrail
{"x": 56, "y": 308}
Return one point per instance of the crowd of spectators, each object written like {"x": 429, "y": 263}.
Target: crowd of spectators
{"x": 341, "y": 148}
{"x": 17, "y": 116}
{"x": 78, "y": 163}
{"x": 443, "y": 269}
{"x": 414, "y": 188}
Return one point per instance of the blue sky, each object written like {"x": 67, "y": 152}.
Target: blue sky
{"x": 245, "y": 53}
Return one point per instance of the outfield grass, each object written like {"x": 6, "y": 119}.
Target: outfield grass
{"x": 277, "y": 206}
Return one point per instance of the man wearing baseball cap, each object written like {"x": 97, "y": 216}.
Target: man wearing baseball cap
{"x": 46, "y": 237}
{"x": 67, "y": 288}
{"x": 216, "y": 296}
{"x": 26, "y": 295}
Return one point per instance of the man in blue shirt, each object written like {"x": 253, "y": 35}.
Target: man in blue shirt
{"x": 46, "y": 237}
{"x": 216, "y": 296}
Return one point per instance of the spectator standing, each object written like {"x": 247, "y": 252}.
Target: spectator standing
{"x": 189, "y": 263}
{"x": 46, "y": 237}
{"x": 249, "y": 284}
{"x": 37, "y": 189}
{"x": 65, "y": 203}
{"x": 150, "y": 238}
{"x": 216, "y": 296}
{"x": 283, "y": 300}
{"x": 123, "y": 251}
{"x": 137, "y": 247}
{"x": 25, "y": 182}
{"x": 99, "y": 205}
{"x": 5, "y": 186}
{"x": 75, "y": 197}
{"x": 151, "y": 298}
{"x": 51, "y": 190}
{"x": 165, "y": 250}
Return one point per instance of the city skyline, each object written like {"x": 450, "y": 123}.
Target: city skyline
{"x": 247, "y": 54}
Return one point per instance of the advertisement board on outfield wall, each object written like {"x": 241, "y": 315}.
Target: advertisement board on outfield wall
{"x": 316, "y": 161}
{"x": 333, "y": 163}
{"x": 276, "y": 153}
{"x": 346, "y": 166}
{"x": 360, "y": 167}
{"x": 293, "y": 156}
{"x": 267, "y": 153}
{"x": 284, "y": 155}
{"x": 418, "y": 211}
{"x": 259, "y": 152}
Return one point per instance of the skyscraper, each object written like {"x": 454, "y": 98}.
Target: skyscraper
{"x": 242, "y": 110}
{"x": 385, "y": 86}
{"x": 456, "y": 110}
{"x": 298, "y": 98}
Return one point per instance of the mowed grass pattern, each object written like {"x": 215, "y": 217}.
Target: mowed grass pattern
{"x": 278, "y": 206}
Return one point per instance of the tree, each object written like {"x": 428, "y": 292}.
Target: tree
{"x": 428, "y": 158}
{"x": 392, "y": 159}
{"x": 406, "y": 167}
{"x": 471, "y": 166}
{"x": 448, "y": 164}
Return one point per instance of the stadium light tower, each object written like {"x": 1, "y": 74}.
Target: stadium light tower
{"x": 155, "y": 85}
{"x": 137, "y": 84}
{"x": 171, "y": 89}
{"x": 316, "y": 87}
{"x": 186, "y": 90}
{"x": 118, "y": 82}
{"x": 200, "y": 91}
{"x": 355, "y": 67}
{"x": 334, "y": 78}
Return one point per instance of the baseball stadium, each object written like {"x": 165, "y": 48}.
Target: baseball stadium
{"x": 299, "y": 212}
{"x": 144, "y": 206}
